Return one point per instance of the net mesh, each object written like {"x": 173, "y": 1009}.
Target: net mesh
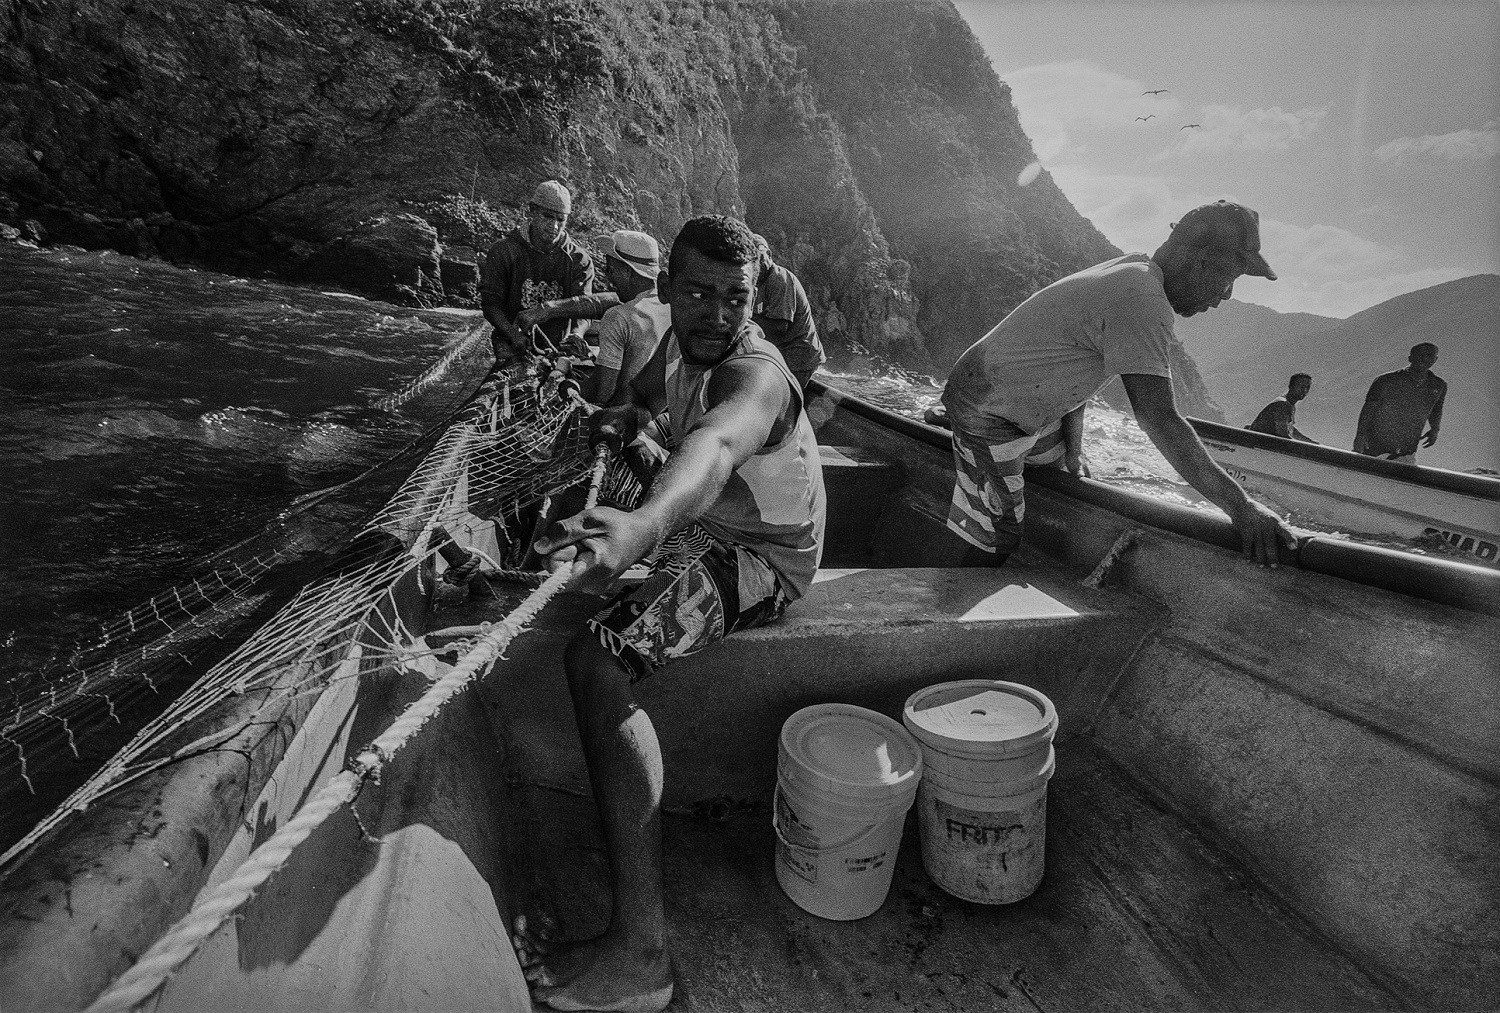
{"x": 475, "y": 479}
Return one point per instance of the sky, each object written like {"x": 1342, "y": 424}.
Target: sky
{"x": 1366, "y": 134}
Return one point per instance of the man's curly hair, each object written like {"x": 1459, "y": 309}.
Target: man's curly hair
{"x": 717, "y": 237}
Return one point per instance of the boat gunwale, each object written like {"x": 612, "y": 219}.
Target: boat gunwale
{"x": 1481, "y": 487}
{"x": 1447, "y": 582}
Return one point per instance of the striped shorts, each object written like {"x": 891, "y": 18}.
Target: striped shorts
{"x": 989, "y": 492}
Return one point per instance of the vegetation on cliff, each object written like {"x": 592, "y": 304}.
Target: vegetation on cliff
{"x": 382, "y": 144}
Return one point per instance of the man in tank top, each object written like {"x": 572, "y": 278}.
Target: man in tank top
{"x": 732, "y": 525}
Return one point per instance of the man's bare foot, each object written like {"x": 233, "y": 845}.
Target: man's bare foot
{"x": 596, "y": 974}
{"x": 544, "y": 956}
{"x": 534, "y": 938}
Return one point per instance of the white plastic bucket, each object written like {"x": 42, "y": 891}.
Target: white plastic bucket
{"x": 982, "y": 808}
{"x": 845, "y": 778}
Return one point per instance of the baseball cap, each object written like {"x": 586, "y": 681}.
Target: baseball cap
{"x": 636, "y": 249}
{"x": 1230, "y": 226}
{"x": 552, "y": 196}
{"x": 762, "y": 248}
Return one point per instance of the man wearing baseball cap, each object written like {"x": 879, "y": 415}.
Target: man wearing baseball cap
{"x": 1017, "y": 395}
{"x": 530, "y": 266}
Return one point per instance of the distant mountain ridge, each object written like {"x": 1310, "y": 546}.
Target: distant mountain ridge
{"x": 1222, "y": 335}
{"x": 1246, "y": 354}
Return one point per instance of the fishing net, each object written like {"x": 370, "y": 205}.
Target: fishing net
{"x": 476, "y": 479}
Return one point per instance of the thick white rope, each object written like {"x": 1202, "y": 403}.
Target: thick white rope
{"x": 182, "y": 940}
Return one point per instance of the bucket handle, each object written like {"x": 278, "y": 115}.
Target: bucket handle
{"x": 851, "y": 842}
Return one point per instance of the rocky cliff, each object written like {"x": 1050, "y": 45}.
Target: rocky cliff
{"x": 381, "y": 144}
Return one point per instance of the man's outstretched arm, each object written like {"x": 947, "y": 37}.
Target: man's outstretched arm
{"x": 747, "y": 399}
{"x": 590, "y": 306}
{"x": 505, "y": 331}
{"x": 1262, "y": 533}
{"x": 1072, "y": 432}
{"x": 1367, "y": 418}
{"x": 1435, "y": 418}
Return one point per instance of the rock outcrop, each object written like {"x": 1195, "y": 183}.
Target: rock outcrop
{"x": 377, "y": 144}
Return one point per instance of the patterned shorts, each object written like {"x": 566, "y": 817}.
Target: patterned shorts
{"x": 681, "y": 608}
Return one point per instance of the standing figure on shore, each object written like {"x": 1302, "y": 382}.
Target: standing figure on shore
{"x": 1017, "y": 394}
{"x": 529, "y": 267}
{"x": 1397, "y": 407}
{"x": 1279, "y": 418}
{"x": 733, "y": 527}
{"x": 784, "y": 315}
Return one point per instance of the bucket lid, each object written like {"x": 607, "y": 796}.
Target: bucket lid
{"x": 980, "y": 717}
{"x": 845, "y": 750}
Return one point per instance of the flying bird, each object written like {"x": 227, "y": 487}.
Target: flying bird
{"x": 1154, "y": 91}
{"x": 1152, "y": 116}
{"x": 1185, "y": 126}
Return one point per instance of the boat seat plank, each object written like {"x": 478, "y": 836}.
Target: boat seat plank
{"x": 867, "y": 637}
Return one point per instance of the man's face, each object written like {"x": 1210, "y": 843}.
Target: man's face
{"x": 546, "y": 227}
{"x": 1423, "y": 358}
{"x": 1206, "y": 280}
{"x": 710, "y": 302}
{"x": 1299, "y": 388}
{"x": 618, "y": 272}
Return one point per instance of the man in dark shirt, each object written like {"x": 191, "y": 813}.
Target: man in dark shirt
{"x": 784, "y": 315}
{"x": 1279, "y": 418}
{"x": 1399, "y": 404}
{"x": 531, "y": 266}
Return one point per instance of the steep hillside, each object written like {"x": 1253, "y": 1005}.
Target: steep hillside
{"x": 1237, "y": 329}
{"x": 381, "y": 144}
{"x": 1460, "y": 317}
{"x": 936, "y": 148}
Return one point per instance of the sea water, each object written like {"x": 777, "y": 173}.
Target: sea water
{"x": 150, "y": 416}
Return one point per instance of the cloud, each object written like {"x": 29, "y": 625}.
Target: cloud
{"x": 1323, "y": 252}
{"x": 1228, "y": 128}
{"x": 1135, "y": 212}
{"x": 1461, "y": 145}
{"x": 1333, "y": 272}
{"x": 1341, "y": 297}
{"x": 1051, "y": 98}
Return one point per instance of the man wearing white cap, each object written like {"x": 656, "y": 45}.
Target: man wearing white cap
{"x": 1017, "y": 395}
{"x": 630, "y": 332}
{"x": 634, "y": 319}
{"x": 529, "y": 267}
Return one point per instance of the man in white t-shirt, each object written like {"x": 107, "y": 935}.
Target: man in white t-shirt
{"x": 1017, "y": 395}
{"x": 629, "y": 332}
{"x": 634, "y": 319}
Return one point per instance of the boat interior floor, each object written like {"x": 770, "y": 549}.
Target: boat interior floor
{"x": 1136, "y": 910}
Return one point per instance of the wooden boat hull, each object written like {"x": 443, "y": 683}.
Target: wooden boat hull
{"x": 1273, "y": 788}
{"x": 1355, "y": 493}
